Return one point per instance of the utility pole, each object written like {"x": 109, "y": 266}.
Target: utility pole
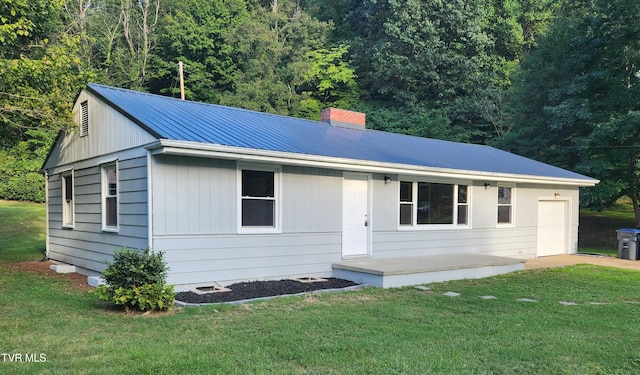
{"x": 181, "y": 75}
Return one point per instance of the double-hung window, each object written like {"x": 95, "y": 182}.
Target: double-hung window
{"x": 424, "y": 204}
{"x": 67, "y": 200}
{"x": 258, "y": 199}
{"x": 110, "y": 196}
{"x": 505, "y": 205}
{"x": 406, "y": 203}
{"x": 463, "y": 205}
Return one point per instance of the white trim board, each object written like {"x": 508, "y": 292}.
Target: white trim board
{"x": 184, "y": 148}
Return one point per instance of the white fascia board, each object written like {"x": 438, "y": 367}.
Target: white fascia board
{"x": 207, "y": 150}
{"x": 128, "y": 153}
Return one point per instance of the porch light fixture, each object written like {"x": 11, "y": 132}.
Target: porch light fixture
{"x": 556, "y": 195}
{"x": 487, "y": 185}
{"x": 387, "y": 180}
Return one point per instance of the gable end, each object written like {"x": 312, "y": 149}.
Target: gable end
{"x": 124, "y": 113}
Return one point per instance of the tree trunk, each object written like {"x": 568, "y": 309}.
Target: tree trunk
{"x": 633, "y": 169}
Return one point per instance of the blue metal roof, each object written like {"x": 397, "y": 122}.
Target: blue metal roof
{"x": 173, "y": 119}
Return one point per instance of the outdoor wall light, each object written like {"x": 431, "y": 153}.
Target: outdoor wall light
{"x": 387, "y": 179}
{"x": 487, "y": 185}
{"x": 556, "y": 195}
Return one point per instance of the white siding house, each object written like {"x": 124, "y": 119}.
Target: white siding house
{"x": 231, "y": 195}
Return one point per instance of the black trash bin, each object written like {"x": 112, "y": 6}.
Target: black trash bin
{"x": 628, "y": 240}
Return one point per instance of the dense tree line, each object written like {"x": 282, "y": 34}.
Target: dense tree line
{"x": 576, "y": 100}
{"x": 551, "y": 79}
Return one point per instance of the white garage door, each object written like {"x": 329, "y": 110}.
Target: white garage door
{"x": 552, "y": 228}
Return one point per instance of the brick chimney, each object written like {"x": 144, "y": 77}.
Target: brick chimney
{"x": 343, "y": 118}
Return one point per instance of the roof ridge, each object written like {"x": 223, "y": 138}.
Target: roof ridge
{"x": 226, "y": 107}
{"x": 193, "y": 102}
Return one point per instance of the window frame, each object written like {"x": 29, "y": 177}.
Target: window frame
{"x": 407, "y": 203}
{"x": 414, "y": 203}
{"x": 68, "y": 205}
{"x": 462, "y": 204}
{"x": 105, "y": 195}
{"x": 277, "y": 198}
{"x": 511, "y": 204}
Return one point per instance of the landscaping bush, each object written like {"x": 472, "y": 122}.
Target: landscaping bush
{"x": 136, "y": 279}
{"x": 19, "y": 180}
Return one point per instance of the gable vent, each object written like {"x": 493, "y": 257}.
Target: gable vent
{"x": 343, "y": 118}
{"x": 84, "y": 121}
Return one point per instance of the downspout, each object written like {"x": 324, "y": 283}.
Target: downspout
{"x": 46, "y": 210}
{"x": 149, "y": 200}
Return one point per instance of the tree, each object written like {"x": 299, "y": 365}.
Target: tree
{"x": 271, "y": 47}
{"x": 434, "y": 54}
{"x": 198, "y": 34}
{"x": 578, "y": 97}
{"x": 335, "y": 12}
{"x": 40, "y": 74}
{"x": 329, "y": 82}
{"x": 123, "y": 36}
{"x": 614, "y": 157}
{"x": 416, "y": 121}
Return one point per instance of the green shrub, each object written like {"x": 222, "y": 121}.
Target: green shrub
{"x": 18, "y": 177}
{"x": 23, "y": 187}
{"x": 131, "y": 268}
{"x": 136, "y": 279}
{"x": 145, "y": 297}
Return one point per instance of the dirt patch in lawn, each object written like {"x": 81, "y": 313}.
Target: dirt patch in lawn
{"x": 76, "y": 280}
{"x": 263, "y": 289}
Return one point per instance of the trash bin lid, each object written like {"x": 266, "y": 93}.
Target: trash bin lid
{"x": 628, "y": 230}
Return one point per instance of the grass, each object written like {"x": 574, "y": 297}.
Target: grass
{"x": 372, "y": 331}
{"x": 597, "y": 231}
{"x": 22, "y": 231}
{"x": 366, "y": 332}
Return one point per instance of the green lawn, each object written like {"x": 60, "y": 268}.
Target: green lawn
{"x": 597, "y": 231}
{"x": 22, "y": 231}
{"x": 371, "y": 331}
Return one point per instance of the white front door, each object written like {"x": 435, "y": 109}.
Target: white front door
{"x": 355, "y": 215}
{"x": 552, "y": 227}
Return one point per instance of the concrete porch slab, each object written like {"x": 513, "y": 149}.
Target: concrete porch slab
{"x": 398, "y": 272}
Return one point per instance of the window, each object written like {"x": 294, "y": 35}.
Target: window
{"x": 505, "y": 205}
{"x": 67, "y": 199}
{"x": 435, "y": 203}
{"x": 110, "y": 196}
{"x": 84, "y": 118}
{"x": 463, "y": 205}
{"x": 406, "y": 203}
{"x": 428, "y": 203}
{"x": 259, "y": 199}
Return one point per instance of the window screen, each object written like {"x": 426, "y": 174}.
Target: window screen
{"x": 258, "y": 198}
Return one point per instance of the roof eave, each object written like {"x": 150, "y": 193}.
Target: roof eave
{"x": 185, "y": 148}
{"x": 43, "y": 168}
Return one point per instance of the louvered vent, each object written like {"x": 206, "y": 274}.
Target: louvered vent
{"x": 84, "y": 123}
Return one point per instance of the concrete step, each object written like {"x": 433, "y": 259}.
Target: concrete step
{"x": 63, "y": 268}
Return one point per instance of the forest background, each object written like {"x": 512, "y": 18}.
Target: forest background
{"x": 554, "y": 80}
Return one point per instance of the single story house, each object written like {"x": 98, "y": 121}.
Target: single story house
{"x": 230, "y": 194}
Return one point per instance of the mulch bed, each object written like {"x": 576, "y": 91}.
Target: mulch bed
{"x": 76, "y": 280}
{"x": 261, "y": 289}
{"x": 239, "y": 291}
